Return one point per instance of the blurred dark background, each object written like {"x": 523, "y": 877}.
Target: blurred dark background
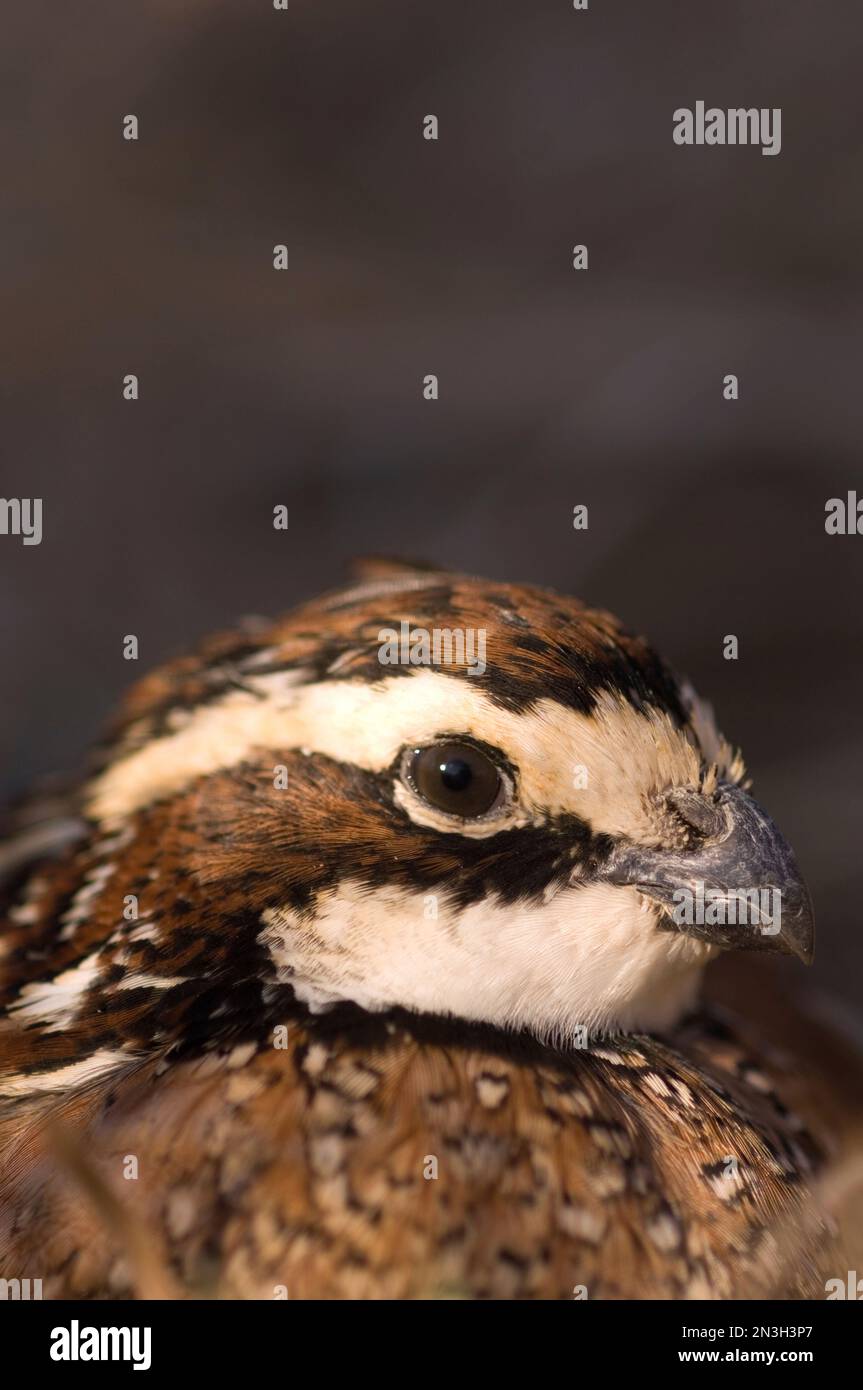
{"x": 409, "y": 257}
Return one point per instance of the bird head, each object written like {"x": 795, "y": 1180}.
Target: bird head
{"x": 426, "y": 792}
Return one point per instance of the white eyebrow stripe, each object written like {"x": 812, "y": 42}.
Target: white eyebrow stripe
{"x": 626, "y": 751}
{"x": 58, "y": 1079}
{"x": 55, "y": 1002}
{"x": 349, "y": 721}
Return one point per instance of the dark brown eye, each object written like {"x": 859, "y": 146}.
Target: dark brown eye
{"x": 456, "y": 778}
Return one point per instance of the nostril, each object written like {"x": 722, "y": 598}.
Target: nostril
{"x": 700, "y": 813}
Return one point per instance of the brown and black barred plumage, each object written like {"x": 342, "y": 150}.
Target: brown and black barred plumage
{"x": 371, "y": 970}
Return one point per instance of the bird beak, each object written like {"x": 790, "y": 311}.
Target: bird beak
{"x": 738, "y": 887}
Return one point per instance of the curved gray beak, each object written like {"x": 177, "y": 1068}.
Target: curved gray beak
{"x": 739, "y": 886}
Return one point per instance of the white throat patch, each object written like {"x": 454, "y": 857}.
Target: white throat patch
{"x": 588, "y": 958}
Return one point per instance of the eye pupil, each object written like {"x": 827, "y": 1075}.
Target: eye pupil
{"x": 455, "y": 778}
{"x": 456, "y": 774}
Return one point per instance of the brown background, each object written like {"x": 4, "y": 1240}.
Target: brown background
{"x": 406, "y": 257}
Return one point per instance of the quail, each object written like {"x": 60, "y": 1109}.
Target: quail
{"x": 358, "y": 970}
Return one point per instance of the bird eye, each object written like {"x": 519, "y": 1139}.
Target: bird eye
{"x": 455, "y": 778}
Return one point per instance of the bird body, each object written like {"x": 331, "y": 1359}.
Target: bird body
{"x": 345, "y": 977}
